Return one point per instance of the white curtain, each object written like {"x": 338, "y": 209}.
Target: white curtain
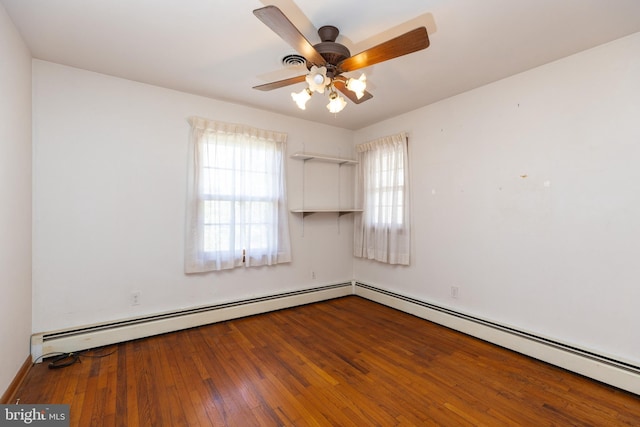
{"x": 383, "y": 230}
{"x": 236, "y": 208}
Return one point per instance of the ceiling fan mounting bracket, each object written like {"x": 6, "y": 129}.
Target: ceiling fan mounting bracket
{"x": 328, "y": 33}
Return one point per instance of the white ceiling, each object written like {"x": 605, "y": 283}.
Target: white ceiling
{"x": 219, "y": 49}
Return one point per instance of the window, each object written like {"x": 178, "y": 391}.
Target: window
{"x": 382, "y": 231}
{"x": 236, "y": 210}
{"x": 385, "y": 189}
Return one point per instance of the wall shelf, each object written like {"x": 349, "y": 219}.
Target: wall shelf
{"x": 323, "y": 158}
{"x": 340, "y": 212}
{"x": 308, "y": 158}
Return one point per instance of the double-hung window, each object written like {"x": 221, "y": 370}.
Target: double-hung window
{"x": 382, "y": 232}
{"x": 236, "y": 212}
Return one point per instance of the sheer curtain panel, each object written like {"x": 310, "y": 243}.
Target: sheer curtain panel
{"x": 382, "y": 232}
{"x": 236, "y": 208}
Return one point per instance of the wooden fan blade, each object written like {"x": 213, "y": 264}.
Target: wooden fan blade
{"x": 339, "y": 84}
{"x": 410, "y": 42}
{"x": 280, "y": 24}
{"x": 281, "y": 83}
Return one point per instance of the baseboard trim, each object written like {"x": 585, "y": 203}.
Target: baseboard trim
{"x": 9, "y": 396}
{"x": 98, "y": 335}
{"x": 620, "y": 374}
{"x": 608, "y": 370}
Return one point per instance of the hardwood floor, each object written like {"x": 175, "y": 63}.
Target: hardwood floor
{"x": 344, "y": 362}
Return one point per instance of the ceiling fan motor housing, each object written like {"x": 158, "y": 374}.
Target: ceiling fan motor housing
{"x": 331, "y": 51}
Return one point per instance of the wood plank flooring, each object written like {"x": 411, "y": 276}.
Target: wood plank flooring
{"x": 344, "y": 362}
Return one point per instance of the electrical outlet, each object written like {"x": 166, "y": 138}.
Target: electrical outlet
{"x": 313, "y": 275}
{"x": 135, "y": 298}
{"x": 454, "y": 292}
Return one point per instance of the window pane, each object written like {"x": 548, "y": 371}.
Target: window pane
{"x": 217, "y": 238}
{"x": 385, "y": 189}
{"x": 218, "y": 156}
{"x": 253, "y": 185}
{"x": 257, "y": 212}
{"x": 259, "y": 237}
{"x": 217, "y": 181}
{"x": 238, "y": 180}
{"x": 217, "y": 212}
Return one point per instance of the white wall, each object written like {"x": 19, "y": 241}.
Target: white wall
{"x": 526, "y": 196}
{"x": 15, "y": 196}
{"x": 109, "y": 202}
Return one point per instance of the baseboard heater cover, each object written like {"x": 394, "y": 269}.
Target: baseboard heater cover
{"x": 620, "y": 374}
{"x": 129, "y": 329}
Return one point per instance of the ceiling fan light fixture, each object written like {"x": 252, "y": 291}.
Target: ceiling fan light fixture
{"x": 302, "y": 97}
{"x": 336, "y": 103}
{"x": 317, "y": 79}
{"x": 357, "y": 86}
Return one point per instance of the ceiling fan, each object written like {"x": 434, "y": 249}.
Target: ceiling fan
{"x": 328, "y": 60}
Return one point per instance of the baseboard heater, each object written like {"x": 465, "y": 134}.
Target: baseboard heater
{"x": 102, "y": 334}
{"x": 620, "y": 374}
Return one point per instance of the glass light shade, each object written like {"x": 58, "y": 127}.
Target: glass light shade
{"x": 302, "y": 97}
{"x": 317, "y": 79}
{"x": 336, "y": 103}
{"x": 357, "y": 85}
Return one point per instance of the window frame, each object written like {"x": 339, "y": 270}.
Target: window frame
{"x": 206, "y": 248}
